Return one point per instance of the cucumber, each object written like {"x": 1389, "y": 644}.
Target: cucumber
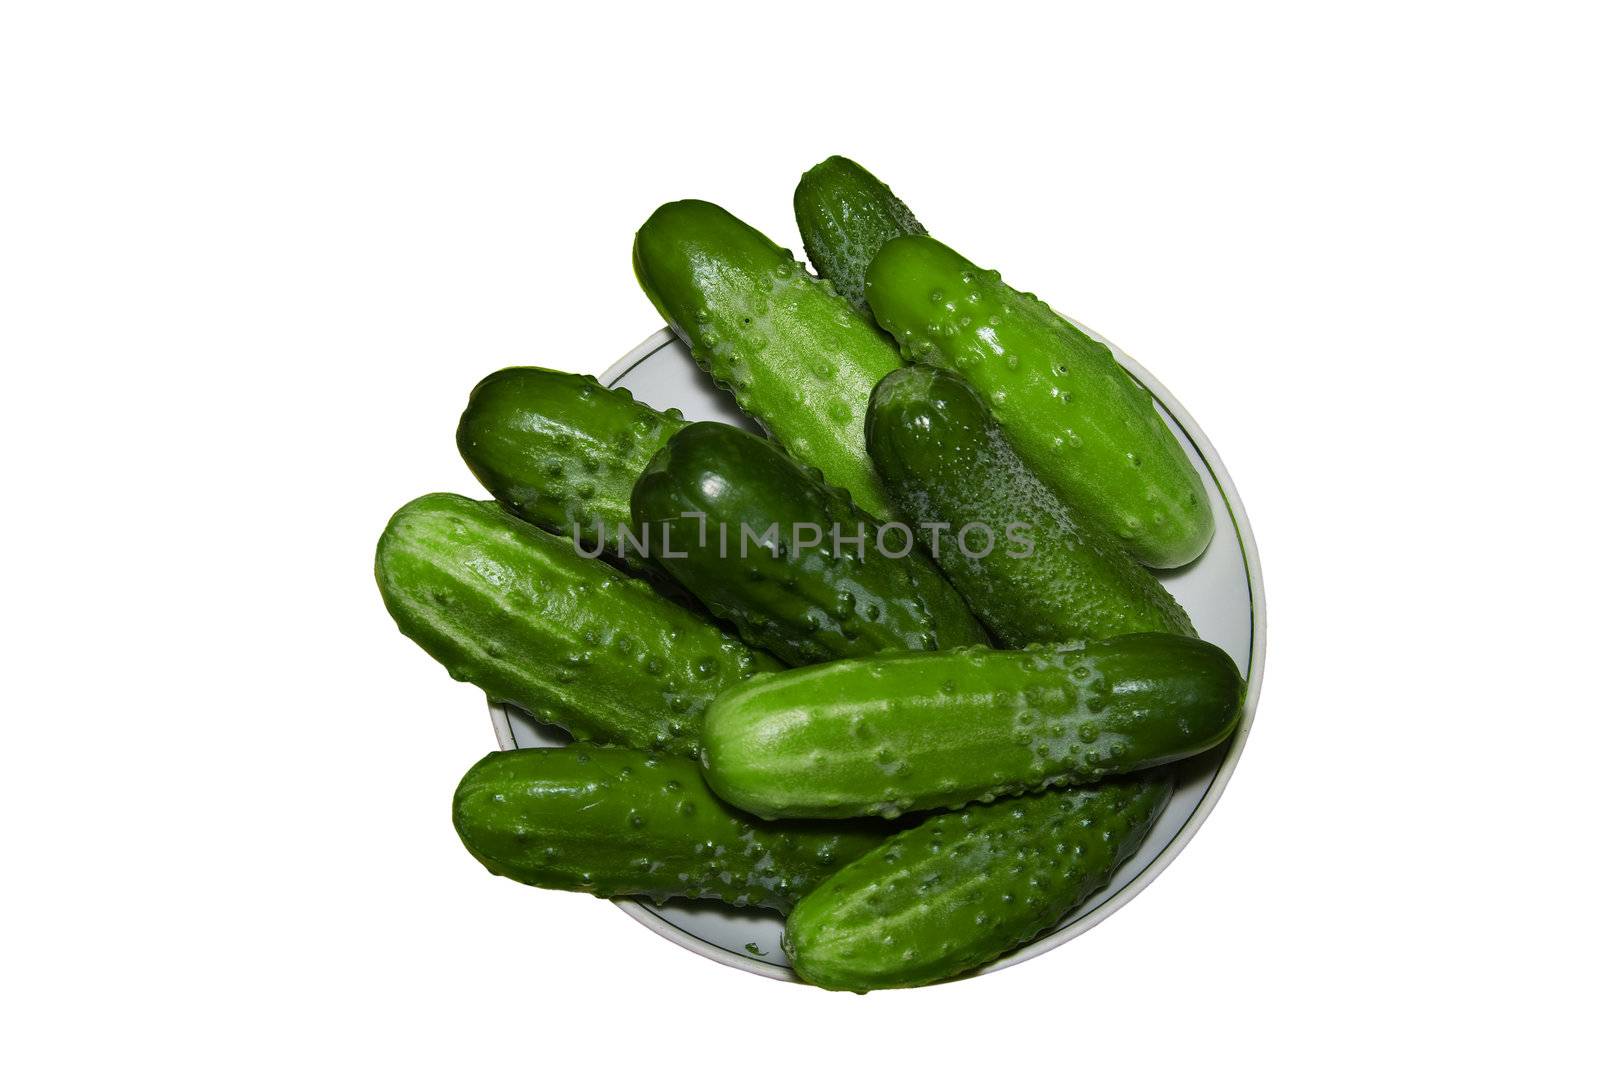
{"x": 961, "y": 889}
{"x": 560, "y": 450}
{"x": 1075, "y": 417}
{"x": 845, "y": 215}
{"x": 519, "y": 613}
{"x": 797, "y": 358}
{"x": 900, "y": 733}
{"x": 1062, "y": 577}
{"x": 806, "y": 604}
{"x": 615, "y": 822}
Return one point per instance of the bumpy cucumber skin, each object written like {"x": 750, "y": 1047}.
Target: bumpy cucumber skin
{"x": 899, "y": 733}
{"x": 945, "y": 460}
{"x": 795, "y": 355}
{"x": 845, "y": 216}
{"x": 806, "y": 605}
{"x": 559, "y": 449}
{"x": 962, "y": 889}
{"x": 519, "y": 613}
{"x": 1075, "y": 417}
{"x": 618, "y": 822}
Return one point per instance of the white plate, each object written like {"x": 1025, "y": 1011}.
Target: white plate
{"x": 1221, "y": 590}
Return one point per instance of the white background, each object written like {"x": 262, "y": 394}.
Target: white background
{"x": 254, "y": 256}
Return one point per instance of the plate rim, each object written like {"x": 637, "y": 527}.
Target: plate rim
{"x": 500, "y": 719}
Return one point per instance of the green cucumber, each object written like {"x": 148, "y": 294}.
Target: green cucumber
{"x": 898, "y": 733}
{"x": 616, "y": 822}
{"x": 1063, "y": 577}
{"x": 797, "y": 358}
{"x": 961, "y": 889}
{"x": 1085, "y": 426}
{"x": 845, "y": 216}
{"x": 522, "y": 615}
{"x": 714, "y": 491}
{"x": 560, "y": 450}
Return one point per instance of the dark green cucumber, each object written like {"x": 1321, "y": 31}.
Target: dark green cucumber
{"x": 616, "y": 822}
{"x": 797, "y": 358}
{"x": 845, "y": 216}
{"x": 1062, "y": 576}
{"x": 1086, "y": 427}
{"x": 521, "y": 614}
{"x": 898, "y": 733}
{"x": 717, "y": 501}
{"x": 559, "y": 449}
{"x": 961, "y": 889}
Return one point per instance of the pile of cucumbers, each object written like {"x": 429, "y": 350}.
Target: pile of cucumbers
{"x": 898, "y": 669}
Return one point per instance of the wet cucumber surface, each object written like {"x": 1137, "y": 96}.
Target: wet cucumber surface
{"x": 963, "y": 888}
{"x": 559, "y": 449}
{"x": 928, "y": 432}
{"x": 845, "y": 216}
{"x": 911, "y": 732}
{"x": 714, "y": 490}
{"x": 1075, "y": 417}
{"x": 519, "y": 613}
{"x": 797, "y": 357}
{"x": 617, "y": 822}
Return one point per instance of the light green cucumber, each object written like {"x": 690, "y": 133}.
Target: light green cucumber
{"x": 1085, "y": 427}
{"x": 796, "y": 356}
